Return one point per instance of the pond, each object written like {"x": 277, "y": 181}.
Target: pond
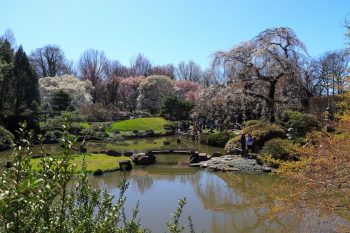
{"x": 218, "y": 202}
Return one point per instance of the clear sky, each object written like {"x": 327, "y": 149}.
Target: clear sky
{"x": 168, "y": 31}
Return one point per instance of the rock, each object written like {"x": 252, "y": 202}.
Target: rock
{"x": 143, "y": 158}
{"x": 82, "y": 150}
{"x": 98, "y": 172}
{"x": 8, "y": 164}
{"x": 215, "y": 154}
{"x": 194, "y": 164}
{"x": 198, "y": 158}
{"x": 266, "y": 168}
{"x": 125, "y": 165}
{"x": 113, "y": 153}
{"x": 128, "y": 153}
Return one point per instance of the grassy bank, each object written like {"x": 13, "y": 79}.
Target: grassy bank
{"x": 149, "y": 123}
{"x": 93, "y": 162}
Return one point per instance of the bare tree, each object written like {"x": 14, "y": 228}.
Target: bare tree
{"x": 115, "y": 68}
{"x": 49, "y": 61}
{"x": 140, "y": 66}
{"x": 188, "y": 71}
{"x": 273, "y": 54}
{"x": 326, "y": 75}
{"x": 93, "y": 66}
{"x": 167, "y": 70}
{"x": 10, "y": 37}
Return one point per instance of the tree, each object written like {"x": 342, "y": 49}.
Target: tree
{"x": 188, "y": 90}
{"x": 176, "y": 108}
{"x": 128, "y": 92}
{"x": 6, "y": 71}
{"x": 167, "y": 70}
{"x": 79, "y": 90}
{"x": 60, "y": 101}
{"x": 93, "y": 66}
{"x": 273, "y": 54}
{"x": 49, "y": 61}
{"x": 188, "y": 71}
{"x": 140, "y": 66}
{"x": 153, "y": 91}
{"x": 25, "y": 80}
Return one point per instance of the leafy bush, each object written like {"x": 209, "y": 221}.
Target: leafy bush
{"x": 52, "y": 124}
{"x": 99, "y": 113}
{"x": 301, "y": 123}
{"x": 278, "y": 148}
{"x": 218, "y": 139}
{"x": 261, "y": 133}
{"x": 252, "y": 122}
{"x": 6, "y": 138}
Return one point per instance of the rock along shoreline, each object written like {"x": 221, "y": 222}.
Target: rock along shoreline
{"x": 234, "y": 163}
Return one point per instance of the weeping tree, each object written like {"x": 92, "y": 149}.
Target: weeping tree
{"x": 273, "y": 54}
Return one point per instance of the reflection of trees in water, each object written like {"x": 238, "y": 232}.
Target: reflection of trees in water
{"x": 233, "y": 206}
{"x": 141, "y": 179}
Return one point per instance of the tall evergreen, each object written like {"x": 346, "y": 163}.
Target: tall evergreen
{"x": 25, "y": 83}
{"x": 6, "y": 72}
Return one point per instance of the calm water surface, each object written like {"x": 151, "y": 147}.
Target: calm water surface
{"x": 218, "y": 202}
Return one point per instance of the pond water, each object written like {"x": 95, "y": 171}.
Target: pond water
{"x": 218, "y": 202}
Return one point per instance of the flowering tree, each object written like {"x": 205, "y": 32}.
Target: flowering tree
{"x": 128, "y": 92}
{"x": 153, "y": 91}
{"x": 188, "y": 90}
{"x": 78, "y": 90}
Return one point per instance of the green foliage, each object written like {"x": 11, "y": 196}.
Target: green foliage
{"x": 219, "y": 138}
{"x": 252, "y": 122}
{"x": 6, "y": 138}
{"x": 301, "y": 123}
{"x": 60, "y": 101}
{"x": 261, "y": 133}
{"x": 278, "y": 148}
{"x": 42, "y": 201}
{"x": 149, "y": 123}
{"x": 175, "y": 108}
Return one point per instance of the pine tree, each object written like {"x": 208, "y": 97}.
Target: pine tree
{"x": 25, "y": 83}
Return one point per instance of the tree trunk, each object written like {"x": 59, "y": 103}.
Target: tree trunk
{"x": 271, "y": 102}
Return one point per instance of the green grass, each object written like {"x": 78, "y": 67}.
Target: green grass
{"x": 149, "y": 123}
{"x": 84, "y": 125}
{"x": 93, "y": 162}
{"x": 137, "y": 145}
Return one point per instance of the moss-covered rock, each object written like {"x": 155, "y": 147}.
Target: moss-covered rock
{"x": 261, "y": 132}
{"x": 6, "y": 138}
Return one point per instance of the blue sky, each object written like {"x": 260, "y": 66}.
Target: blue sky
{"x": 169, "y": 31}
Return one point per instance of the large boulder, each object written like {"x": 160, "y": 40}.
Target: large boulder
{"x": 143, "y": 158}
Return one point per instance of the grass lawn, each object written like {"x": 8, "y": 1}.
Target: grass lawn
{"x": 137, "y": 145}
{"x": 93, "y": 162}
{"x": 149, "y": 123}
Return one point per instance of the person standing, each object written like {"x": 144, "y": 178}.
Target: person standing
{"x": 250, "y": 143}
{"x": 243, "y": 144}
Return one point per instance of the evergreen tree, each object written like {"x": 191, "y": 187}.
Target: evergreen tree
{"x": 25, "y": 83}
{"x": 60, "y": 101}
{"x": 176, "y": 108}
{"x": 6, "y": 69}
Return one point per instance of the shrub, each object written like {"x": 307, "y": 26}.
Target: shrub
{"x": 6, "y": 138}
{"x": 87, "y": 132}
{"x": 252, "y": 122}
{"x": 261, "y": 133}
{"x": 75, "y": 128}
{"x": 218, "y": 139}
{"x": 170, "y": 126}
{"x": 99, "y": 113}
{"x": 52, "y": 124}
{"x": 278, "y": 148}
{"x": 50, "y": 137}
{"x": 301, "y": 123}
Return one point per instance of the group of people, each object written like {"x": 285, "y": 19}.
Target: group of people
{"x": 247, "y": 144}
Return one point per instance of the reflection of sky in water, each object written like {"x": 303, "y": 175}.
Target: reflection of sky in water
{"x": 213, "y": 205}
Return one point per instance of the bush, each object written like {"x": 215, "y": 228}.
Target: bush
{"x": 170, "y": 126}
{"x": 52, "y": 124}
{"x": 278, "y": 148}
{"x": 261, "y": 133}
{"x": 301, "y": 123}
{"x": 75, "y": 128}
{"x": 99, "y": 113}
{"x": 6, "y": 138}
{"x": 218, "y": 139}
{"x": 50, "y": 137}
{"x": 252, "y": 122}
